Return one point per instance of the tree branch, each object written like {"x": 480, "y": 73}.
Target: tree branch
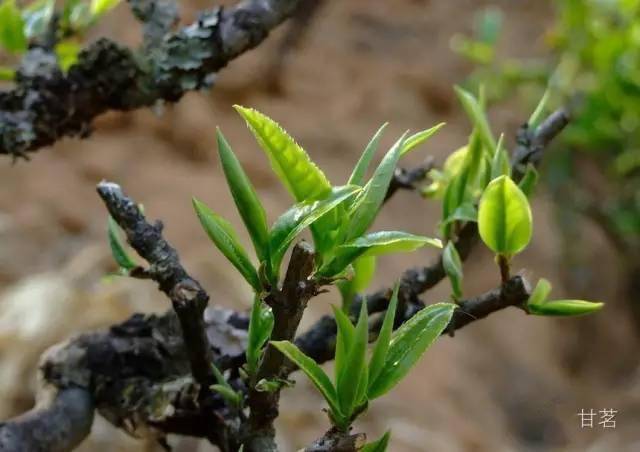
{"x": 188, "y": 298}
{"x": 288, "y": 305}
{"x": 47, "y": 104}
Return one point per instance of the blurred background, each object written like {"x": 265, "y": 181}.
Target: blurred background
{"x": 510, "y": 382}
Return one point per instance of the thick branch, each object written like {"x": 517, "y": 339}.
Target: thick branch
{"x": 47, "y": 104}
{"x": 288, "y": 306}
{"x": 188, "y": 298}
{"x": 57, "y": 424}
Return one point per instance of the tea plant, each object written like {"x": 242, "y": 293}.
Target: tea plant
{"x": 344, "y": 251}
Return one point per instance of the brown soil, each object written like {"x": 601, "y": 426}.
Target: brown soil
{"x": 508, "y": 383}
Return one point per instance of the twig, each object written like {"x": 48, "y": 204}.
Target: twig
{"x": 188, "y": 298}
{"x": 45, "y": 107}
{"x": 407, "y": 179}
{"x": 336, "y": 441}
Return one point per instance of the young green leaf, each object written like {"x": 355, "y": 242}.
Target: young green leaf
{"x": 315, "y": 373}
{"x": 245, "y": 198}
{"x": 539, "y": 110}
{"x": 379, "y": 445}
{"x": 366, "y": 206}
{"x": 300, "y": 216}
{"x": 12, "y": 28}
{"x": 455, "y": 195}
{"x": 504, "y": 217}
{"x": 354, "y": 368}
{"x": 453, "y": 268}
{"x": 363, "y": 271}
{"x": 260, "y": 327}
{"x": 565, "y": 308}
{"x": 381, "y": 348}
{"x": 540, "y": 292}
{"x": 118, "y": 251}
{"x": 477, "y": 116}
{"x": 224, "y": 388}
{"x": 99, "y": 7}
{"x": 408, "y": 343}
{"x": 224, "y": 237}
{"x": 7, "y": 74}
{"x": 529, "y": 180}
{"x": 67, "y": 53}
{"x": 375, "y": 244}
{"x": 417, "y": 139}
{"x": 464, "y": 212}
{"x": 344, "y": 339}
{"x": 291, "y": 163}
{"x": 357, "y": 176}
{"x": 500, "y": 165}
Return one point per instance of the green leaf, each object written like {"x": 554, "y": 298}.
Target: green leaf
{"x": 344, "y": 339}
{"x": 366, "y": 206}
{"x": 477, "y": 116}
{"x": 228, "y": 394}
{"x": 354, "y": 367}
{"x": 384, "y": 338}
{"x": 260, "y": 327}
{"x": 375, "y": 244}
{"x": 224, "y": 237}
{"x": 379, "y": 445}
{"x": 12, "y": 28}
{"x": 118, "y": 251}
{"x": 357, "y": 176}
{"x": 7, "y": 74}
{"x": 364, "y": 268}
{"x": 300, "y": 216}
{"x": 99, "y": 7}
{"x": 565, "y": 308}
{"x": 540, "y": 293}
{"x": 417, "y": 139}
{"x": 455, "y": 195}
{"x": 529, "y": 180}
{"x": 504, "y": 217}
{"x": 500, "y": 165}
{"x": 245, "y": 198}
{"x": 292, "y": 165}
{"x": 67, "y": 53}
{"x": 466, "y": 212}
{"x": 539, "y": 110}
{"x": 314, "y": 372}
{"x": 408, "y": 343}
{"x": 37, "y": 17}
{"x": 453, "y": 268}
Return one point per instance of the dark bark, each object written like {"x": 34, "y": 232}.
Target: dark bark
{"x": 46, "y": 104}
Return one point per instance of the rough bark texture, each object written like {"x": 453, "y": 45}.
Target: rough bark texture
{"x": 47, "y": 104}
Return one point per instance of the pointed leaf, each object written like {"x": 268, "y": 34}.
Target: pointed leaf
{"x": 408, "y": 343}
{"x": 453, "y": 268}
{"x": 477, "y": 116}
{"x": 381, "y": 348}
{"x": 354, "y": 368}
{"x": 528, "y": 182}
{"x": 12, "y": 33}
{"x": 99, "y": 7}
{"x": 37, "y": 17}
{"x": 260, "y": 327}
{"x": 224, "y": 237}
{"x": 379, "y": 445}
{"x": 375, "y": 244}
{"x": 417, "y": 139}
{"x": 298, "y": 173}
{"x": 245, "y": 198}
{"x": 366, "y": 207}
{"x": 464, "y": 212}
{"x": 360, "y": 170}
{"x": 118, "y": 251}
{"x": 540, "y": 293}
{"x": 504, "y": 217}
{"x": 300, "y": 216}
{"x": 500, "y": 165}
{"x": 364, "y": 268}
{"x": 565, "y": 308}
{"x": 315, "y": 373}
{"x": 539, "y": 110}
{"x": 344, "y": 339}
